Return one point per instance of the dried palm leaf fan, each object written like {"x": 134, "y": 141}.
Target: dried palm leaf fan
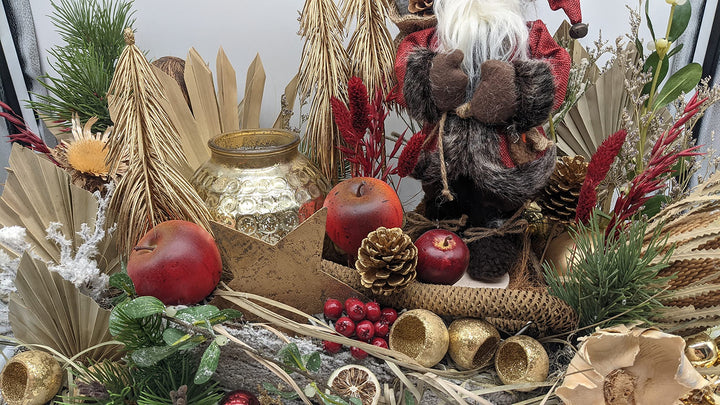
{"x": 693, "y": 227}
{"x": 154, "y": 189}
{"x": 50, "y": 311}
{"x": 214, "y": 112}
{"x": 36, "y": 193}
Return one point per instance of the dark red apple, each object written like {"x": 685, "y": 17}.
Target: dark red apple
{"x": 442, "y": 257}
{"x": 357, "y": 207}
{"x": 176, "y": 262}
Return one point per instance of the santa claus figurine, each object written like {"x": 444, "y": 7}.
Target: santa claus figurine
{"x": 482, "y": 81}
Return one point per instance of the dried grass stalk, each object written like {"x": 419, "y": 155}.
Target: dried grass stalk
{"x": 371, "y": 49}
{"x": 323, "y": 74}
{"x": 153, "y": 190}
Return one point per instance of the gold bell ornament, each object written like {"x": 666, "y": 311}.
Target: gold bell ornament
{"x": 521, "y": 359}
{"x": 30, "y": 378}
{"x": 473, "y": 343}
{"x": 420, "y": 334}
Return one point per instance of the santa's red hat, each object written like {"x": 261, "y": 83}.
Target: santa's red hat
{"x": 572, "y": 9}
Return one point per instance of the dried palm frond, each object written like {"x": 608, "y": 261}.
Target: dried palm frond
{"x": 323, "y": 74}
{"x": 153, "y": 190}
{"x": 371, "y": 49}
{"x": 50, "y": 311}
{"x": 38, "y": 193}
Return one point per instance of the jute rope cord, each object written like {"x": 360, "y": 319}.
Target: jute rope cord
{"x": 521, "y": 275}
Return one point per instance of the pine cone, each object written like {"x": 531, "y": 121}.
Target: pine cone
{"x": 560, "y": 197}
{"x": 421, "y": 7}
{"x": 386, "y": 261}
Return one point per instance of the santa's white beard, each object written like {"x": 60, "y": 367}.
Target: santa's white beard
{"x": 483, "y": 30}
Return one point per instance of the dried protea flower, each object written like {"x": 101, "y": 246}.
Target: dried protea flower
{"x": 85, "y": 156}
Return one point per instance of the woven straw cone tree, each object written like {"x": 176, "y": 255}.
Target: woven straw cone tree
{"x": 153, "y": 190}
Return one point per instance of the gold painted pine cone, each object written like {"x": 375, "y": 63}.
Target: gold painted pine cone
{"x": 386, "y": 261}
{"x": 560, "y": 196}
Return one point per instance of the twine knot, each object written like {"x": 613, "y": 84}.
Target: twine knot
{"x": 129, "y": 36}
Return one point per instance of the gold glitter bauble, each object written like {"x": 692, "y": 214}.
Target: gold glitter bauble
{"x": 701, "y": 350}
{"x": 421, "y": 335}
{"x": 473, "y": 343}
{"x": 521, "y": 359}
{"x": 30, "y": 378}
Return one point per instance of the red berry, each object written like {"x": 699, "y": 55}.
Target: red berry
{"x": 355, "y": 310}
{"x": 358, "y": 353}
{"x": 379, "y": 342}
{"x": 331, "y": 347}
{"x": 372, "y": 311}
{"x": 345, "y": 326}
{"x": 382, "y": 329}
{"x": 351, "y": 300}
{"x": 365, "y": 331}
{"x": 389, "y": 315}
{"x": 333, "y": 309}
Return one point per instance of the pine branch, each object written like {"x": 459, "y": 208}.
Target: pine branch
{"x": 93, "y": 35}
{"x": 612, "y": 275}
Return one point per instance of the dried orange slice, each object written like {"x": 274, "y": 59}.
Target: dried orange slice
{"x": 353, "y": 381}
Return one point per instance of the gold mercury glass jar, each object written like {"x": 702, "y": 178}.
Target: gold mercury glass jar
{"x": 257, "y": 182}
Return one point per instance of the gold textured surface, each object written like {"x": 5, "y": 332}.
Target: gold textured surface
{"x": 257, "y": 182}
{"x": 701, "y": 350}
{"x": 521, "y": 359}
{"x": 30, "y": 378}
{"x": 421, "y": 335}
{"x": 473, "y": 343}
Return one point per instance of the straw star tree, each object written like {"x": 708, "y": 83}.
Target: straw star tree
{"x": 153, "y": 190}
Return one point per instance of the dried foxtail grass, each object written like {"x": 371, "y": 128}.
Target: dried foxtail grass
{"x": 692, "y": 225}
{"x": 323, "y": 75}
{"x": 153, "y": 190}
{"x": 371, "y": 49}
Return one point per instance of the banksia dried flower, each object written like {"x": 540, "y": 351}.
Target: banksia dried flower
{"x": 386, "y": 261}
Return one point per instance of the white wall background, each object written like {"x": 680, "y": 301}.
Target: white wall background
{"x": 269, "y": 27}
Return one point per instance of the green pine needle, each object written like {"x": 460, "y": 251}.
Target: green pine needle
{"x": 93, "y": 33}
{"x": 612, "y": 277}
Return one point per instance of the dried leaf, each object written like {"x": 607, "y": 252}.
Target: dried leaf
{"x": 49, "y": 310}
{"x": 254, "y": 88}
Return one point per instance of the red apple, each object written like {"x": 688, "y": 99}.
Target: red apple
{"x": 442, "y": 257}
{"x": 176, "y": 262}
{"x": 357, "y": 207}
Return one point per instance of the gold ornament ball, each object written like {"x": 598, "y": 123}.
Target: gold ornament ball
{"x": 421, "y": 335}
{"x": 473, "y": 343}
{"x": 560, "y": 253}
{"x": 521, "y": 359}
{"x": 701, "y": 350}
{"x": 30, "y": 378}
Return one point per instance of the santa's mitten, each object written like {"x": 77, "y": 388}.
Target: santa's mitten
{"x": 536, "y": 94}
{"x": 495, "y": 98}
{"x": 447, "y": 80}
{"x": 492, "y": 257}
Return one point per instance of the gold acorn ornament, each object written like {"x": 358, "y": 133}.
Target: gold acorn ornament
{"x": 560, "y": 197}
{"x": 387, "y": 261}
{"x": 84, "y": 156}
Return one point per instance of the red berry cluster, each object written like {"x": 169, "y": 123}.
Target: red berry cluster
{"x": 365, "y": 322}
